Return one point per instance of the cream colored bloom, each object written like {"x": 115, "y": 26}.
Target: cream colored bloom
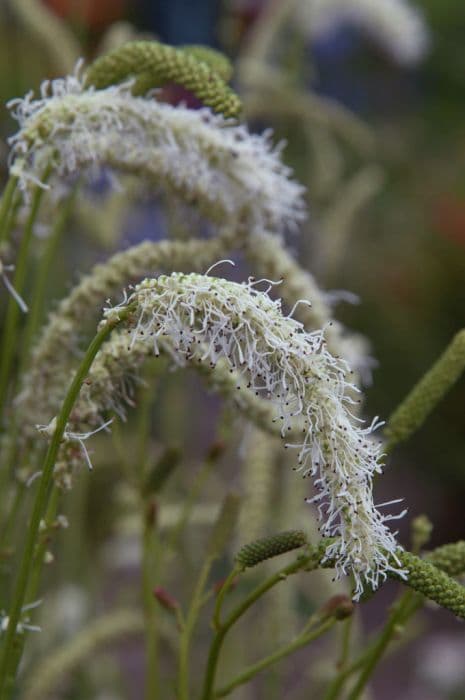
{"x": 201, "y": 321}
{"x": 203, "y": 158}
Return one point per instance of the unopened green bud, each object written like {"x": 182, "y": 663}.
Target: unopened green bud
{"x": 450, "y": 558}
{"x": 424, "y": 397}
{"x": 255, "y": 552}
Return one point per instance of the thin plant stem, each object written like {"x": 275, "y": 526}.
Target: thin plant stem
{"x": 143, "y": 422}
{"x": 302, "y": 640}
{"x": 338, "y": 682}
{"x": 12, "y": 315}
{"x": 41, "y": 548}
{"x": 188, "y": 505}
{"x": 397, "y": 617}
{"x": 6, "y": 206}
{"x": 150, "y": 549}
{"x": 217, "y": 644}
{"x": 188, "y": 629}
{"x": 35, "y": 311}
{"x": 221, "y": 596}
{"x": 34, "y": 579}
{"x": 372, "y": 654}
{"x": 345, "y": 642}
{"x": 7, "y": 668}
{"x": 43, "y": 275}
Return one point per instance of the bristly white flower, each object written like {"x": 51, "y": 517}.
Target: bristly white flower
{"x": 396, "y": 24}
{"x": 201, "y": 321}
{"x": 205, "y": 159}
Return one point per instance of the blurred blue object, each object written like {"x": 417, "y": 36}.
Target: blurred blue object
{"x": 181, "y": 21}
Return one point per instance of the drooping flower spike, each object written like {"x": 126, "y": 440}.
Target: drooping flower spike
{"x": 211, "y": 323}
{"x": 200, "y": 157}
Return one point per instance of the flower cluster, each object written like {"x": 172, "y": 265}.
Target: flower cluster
{"x": 207, "y": 322}
{"x": 202, "y": 158}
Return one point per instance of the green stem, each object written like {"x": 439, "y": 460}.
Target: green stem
{"x": 302, "y": 640}
{"x": 188, "y": 629}
{"x": 34, "y": 578}
{"x": 144, "y": 420}
{"x": 221, "y": 596}
{"x": 188, "y": 505}
{"x": 412, "y": 412}
{"x": 151, "y": 548}
{"x": 6, "y": 205}
{"x": 216, "y": 646}
{"x": 338, "y": 682}
{"x": 345, "y": 642}
{"x": 12, "y": 315}
{"x": 396, "y": 618}
{"x": 42, "y": 546}
{"x": 7, "y": 668}
{"x": 43, "y": 277}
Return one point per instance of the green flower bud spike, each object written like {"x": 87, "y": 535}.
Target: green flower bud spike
{"x": 255, "y": 552}
{"x": 427, "y": 579}
{"x": 154, "y": 64}
{"x": 449, "y": 558}
{"x": 416, "y": 407}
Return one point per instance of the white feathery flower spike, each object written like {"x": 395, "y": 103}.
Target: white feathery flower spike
{"x": 195, "y": 154}
{"x": 201, "y": 320}
{"x": 396, "y": 25}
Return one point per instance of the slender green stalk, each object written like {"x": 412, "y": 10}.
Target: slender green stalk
{"x": 143, "y": 422}
{"x": 221, "y": 532}
{"x": 151, "y": 548}
{"x": 7, "y": 668}
{"x": 189, "y": 503}
{"x": 32, "y": 321}
{"x": 412, "y": 412}
{"x": 449, "y": 559}
{"x": 345, "y": 642}
{"x": 396, "y": 618}
{"x": 43, "y": 276}
{"x": 225, "y": 588}
{"x": 34, "y": 578}
{"x": 302, "y": 640}
{"x": 338, "y": 682}
{"x": 188, "y": 629}
{"x": 217, "y": 644}
{"x": 6, "y": 205}
{"x": 10, "y": 329}
{"x": 42, "y": 545}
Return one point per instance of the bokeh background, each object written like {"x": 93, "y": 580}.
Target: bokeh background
{"x": 372, "y": 111}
